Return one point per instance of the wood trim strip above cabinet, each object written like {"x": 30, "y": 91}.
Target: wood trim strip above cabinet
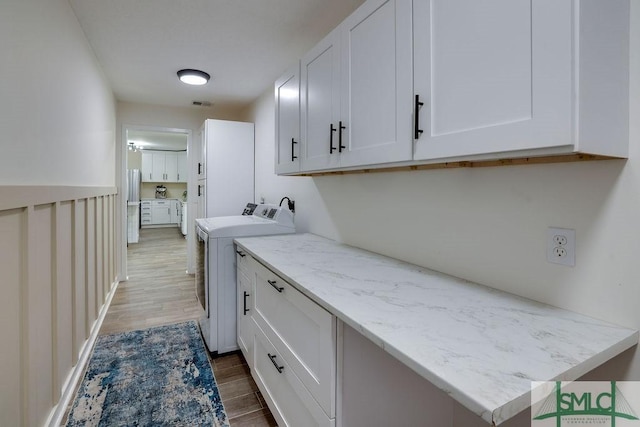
{"x": 469, "y": 164}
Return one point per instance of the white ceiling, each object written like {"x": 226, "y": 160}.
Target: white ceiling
{"x": 243, "y": 44}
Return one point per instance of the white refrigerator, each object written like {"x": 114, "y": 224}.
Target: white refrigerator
{"x": 133, "y": 205}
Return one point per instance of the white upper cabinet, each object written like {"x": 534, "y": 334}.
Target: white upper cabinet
{"x": 182, "y": 167}
{"x": 411, "y": 82}
{"x": 356, "y": 90}
{"x": 287, "y": 101}
{"x": 376, "y": 89}
{"x": 162, "y": 166}
{"x": 320, "y": 104}
{"x": 516, "y": 77}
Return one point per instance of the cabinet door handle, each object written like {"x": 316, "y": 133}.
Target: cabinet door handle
{"x": 150, "y": 175}
{"x": 246, "y": 310}
{"x": 416, "y": 121}
{"x": 242, "y": 254}
{"x": 340, "y": 146}
{"x": 293, "y": 157}
{"x": 199, "y": 188}
{"x": 273, "y": 360}
{"x": 276, "y": 287}
{"x": 199, "y": 168}
{"x": 331, "y": 131}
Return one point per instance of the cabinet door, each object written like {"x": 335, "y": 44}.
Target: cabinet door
{"x": 158, "y": 168}
{"x": 202, "y": 155}
{"x": 287, "y": 99}
{"x": 494, "y": 76}
{"x": 176, "y": 213}
{"x": 161, "y": 213}
{"x": 320, "y": 102}
{"x": 171, "y": 167}
{"x": 244, "y": 311}
{"x": 376, "y": 89}
{"x": 147, "y": 166}
{"x": 182, "y": 167}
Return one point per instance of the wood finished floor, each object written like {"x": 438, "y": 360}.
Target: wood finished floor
{"x": 159, "y": 292}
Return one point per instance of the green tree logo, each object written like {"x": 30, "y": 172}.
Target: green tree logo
{"x": 611, "y": 404}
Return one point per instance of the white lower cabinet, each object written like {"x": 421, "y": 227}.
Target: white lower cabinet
{"x": 244, "y": 305}
{"x": 290, "y": 401}
{"x": 294, "y": 347}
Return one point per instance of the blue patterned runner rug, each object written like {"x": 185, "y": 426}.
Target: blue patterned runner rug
{"x": 153, "y": 377}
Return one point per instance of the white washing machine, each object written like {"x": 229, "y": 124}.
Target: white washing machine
{"x": 216, "y": 267}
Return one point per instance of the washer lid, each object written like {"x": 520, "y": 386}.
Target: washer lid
{"x": 241, "y": 226}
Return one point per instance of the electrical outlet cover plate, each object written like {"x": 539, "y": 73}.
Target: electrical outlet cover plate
{"x": 561, "y": 246}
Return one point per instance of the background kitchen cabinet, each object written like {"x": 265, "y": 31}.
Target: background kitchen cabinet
{"x": 511, "y": 76}
{"x": 356, "y": 90}
{"x": 161, "y": 212}
{"x": 175, "y": 211}
{"x": 182, "y": 167}
{"x": 287, "y": 101}
{"x": 162, "y": 166}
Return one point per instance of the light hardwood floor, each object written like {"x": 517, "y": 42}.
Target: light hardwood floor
{"x": 159, "y": 292}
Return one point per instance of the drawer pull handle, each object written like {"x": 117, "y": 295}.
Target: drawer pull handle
{"x": 273, "y": 283}
{"x": 241, "y": 254}
{"x": 273, "y": 360}
{"x": 246, "y": 310}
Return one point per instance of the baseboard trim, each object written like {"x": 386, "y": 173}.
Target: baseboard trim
{"x": 56, "y": 416}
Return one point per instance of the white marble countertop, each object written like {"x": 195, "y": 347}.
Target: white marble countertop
{"x": 481, "y": 346}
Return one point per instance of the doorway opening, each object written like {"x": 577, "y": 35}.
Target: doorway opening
{"x": 155, "y": 182}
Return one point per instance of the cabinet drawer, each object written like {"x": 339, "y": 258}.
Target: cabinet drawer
{"x": 146, "y": 220}
{"x": 301, "y": 330}
{"x": 288, "y": 398}
{"x": 161, "y": 202}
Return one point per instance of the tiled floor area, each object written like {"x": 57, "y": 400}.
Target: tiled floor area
{"x": 159, "y": 292}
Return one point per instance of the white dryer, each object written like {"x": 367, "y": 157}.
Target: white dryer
{"x": 216, "y": 267}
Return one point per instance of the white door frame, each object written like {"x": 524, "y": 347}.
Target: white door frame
{"x": 122, "y": 173}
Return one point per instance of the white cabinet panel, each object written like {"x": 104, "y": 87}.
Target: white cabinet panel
{"x": 182, "y": 167}
{"x": 287, "y": 100}
{"x": 356, "y": 90}
{"x": 171, "y": 167}
{"x": 161, "y": 166}
{"x": 376, "y": 85}
{"x": 320, "y": 102}
{"x": 147, "y": 166}
{"x": 302, "y": 331}
{"x": 290, "y": 402}
{"x": 504, "y": 78}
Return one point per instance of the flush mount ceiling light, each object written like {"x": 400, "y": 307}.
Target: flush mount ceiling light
{"x": 193, "y": 77}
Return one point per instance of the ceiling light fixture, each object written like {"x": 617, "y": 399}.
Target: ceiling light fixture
{"x": 193, "y": 77}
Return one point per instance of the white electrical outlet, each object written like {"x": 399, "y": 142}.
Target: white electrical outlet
{"x": 561, "y": 246}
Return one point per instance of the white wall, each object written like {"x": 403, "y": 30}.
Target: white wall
{"x": 57, "y": 112}
{"x": 57, "y": 204}
{"x": 489, "y": 225}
